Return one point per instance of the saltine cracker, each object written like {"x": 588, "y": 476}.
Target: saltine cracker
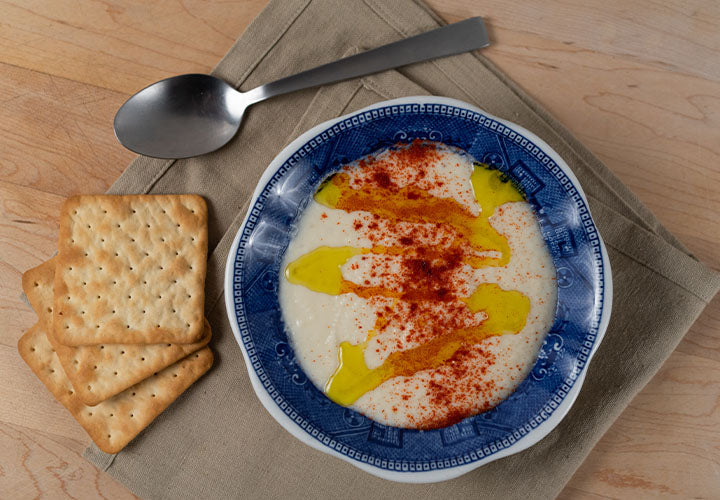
{"x": 131, "y": 269}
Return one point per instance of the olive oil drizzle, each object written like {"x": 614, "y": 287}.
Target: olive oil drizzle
{"x": 320, "y": 270}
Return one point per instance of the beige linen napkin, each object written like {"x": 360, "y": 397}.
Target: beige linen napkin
{"x": 218, "y": 441}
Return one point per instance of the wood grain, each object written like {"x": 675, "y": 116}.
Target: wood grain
{"x": 638, "y": 82}
{"x": 56, "y": 134}
{"x": 45, "y": 464}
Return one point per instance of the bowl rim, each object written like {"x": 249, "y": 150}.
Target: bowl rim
{"x": 437, "y": 475}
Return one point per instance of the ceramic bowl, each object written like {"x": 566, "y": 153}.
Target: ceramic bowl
{"x": 540, "y": 401}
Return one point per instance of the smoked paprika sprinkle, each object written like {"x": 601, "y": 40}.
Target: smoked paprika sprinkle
{"x": 422, "y": 241}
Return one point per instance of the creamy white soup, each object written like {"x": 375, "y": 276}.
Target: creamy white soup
{"x": 417, "y": 288}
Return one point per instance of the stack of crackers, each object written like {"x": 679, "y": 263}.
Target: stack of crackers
{"x": 121, "y": 331}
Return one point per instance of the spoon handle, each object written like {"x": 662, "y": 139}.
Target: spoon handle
{"x": 456, "y": 38}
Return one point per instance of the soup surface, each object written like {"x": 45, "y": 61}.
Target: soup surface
{"x": 417, "y": 288}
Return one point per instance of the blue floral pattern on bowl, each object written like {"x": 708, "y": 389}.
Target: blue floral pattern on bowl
{"x": 583, "y": 275}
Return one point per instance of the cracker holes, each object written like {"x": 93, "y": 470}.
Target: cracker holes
{"x": 52, "y": 370}
{"x": 174, "y": 311}
{"x": 142, "y": 359}
{"x": 143, "y": 311}
{"x": 152, "y": 395}
{"x": 117, "y": 225}
{"x": 104, "y": 211}
{"x": 89, "y": 388}
{"x": 71, "y": 393}
{"x": 75, "y": 361}
{"x": 157, "y": 326}
{"x": 37, "y": 284}
{"x": 174, "y": 375}
{"x": 134, "y": 211}
{"x": 49, "y": 309}
{"x": 113, "y": 311}
{"x": 197, "y": 355}
{"x": 32, "y": 349}
{"x": 161, "y": 268}
{"x": 148, "y": 225}
{"x": 97, "y": 326}
{"x": 122, "y": 352}
{"x": 115, "y": 373}
{"x": 102, "y": 347}
{"x": 169, "y": 345}
{"x": 102, "y": 240}
{"x": 111, "y": 415}
{"x": 95, "y": 367}
{"x": 89, "y": 414}
{"x": 132, "y": 415}
{"x": 100, "y": 268}
{"x": 127, "y": 326}
{"x": 133, "y": 393}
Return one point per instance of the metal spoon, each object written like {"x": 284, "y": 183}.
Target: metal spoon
{"x": 190, "y": 115}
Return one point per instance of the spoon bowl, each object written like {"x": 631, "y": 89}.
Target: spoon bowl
{"x": 180, "y": 117}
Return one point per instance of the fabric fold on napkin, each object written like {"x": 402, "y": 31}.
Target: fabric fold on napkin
{"x": 230, "y": 445}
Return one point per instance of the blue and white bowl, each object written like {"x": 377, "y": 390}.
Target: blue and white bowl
{"x": 541, "y": 400}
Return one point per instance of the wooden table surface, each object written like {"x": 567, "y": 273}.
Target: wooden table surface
{"x": 638, "y": 82}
